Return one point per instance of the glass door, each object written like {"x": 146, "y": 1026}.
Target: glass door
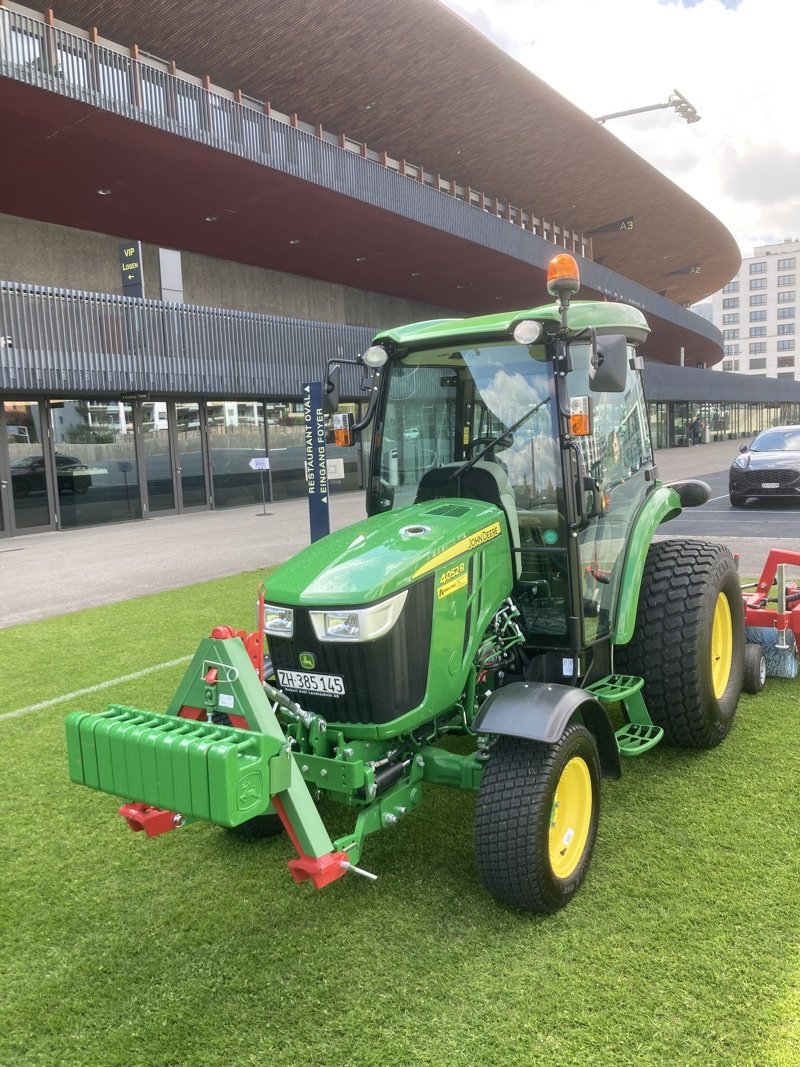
{"x": 26, "y": 473}
{"x": 191, "y": 468}
{"x": 158, "y": 454}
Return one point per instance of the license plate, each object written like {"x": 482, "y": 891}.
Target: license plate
{"x": 326, "y": 685}
{"x": 770, "y": 485}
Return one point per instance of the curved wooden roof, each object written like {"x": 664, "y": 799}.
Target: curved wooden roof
{"x": 414, "y": 79}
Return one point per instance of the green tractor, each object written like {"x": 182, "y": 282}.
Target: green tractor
{"x": 505, "y": 587}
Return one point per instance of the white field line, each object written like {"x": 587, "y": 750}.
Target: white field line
{"x": 19, "y": 712}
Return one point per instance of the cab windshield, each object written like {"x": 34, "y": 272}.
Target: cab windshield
{"x": 444, "y": 407}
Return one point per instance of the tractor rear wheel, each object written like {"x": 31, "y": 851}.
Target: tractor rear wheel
{"x": 536, "y": 819}
{"x": 688, "y": 643}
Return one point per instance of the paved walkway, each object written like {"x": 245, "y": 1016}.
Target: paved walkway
{"x": 51, "y": 573}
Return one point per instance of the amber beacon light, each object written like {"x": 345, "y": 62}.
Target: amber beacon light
{"x": 563, "y": 275}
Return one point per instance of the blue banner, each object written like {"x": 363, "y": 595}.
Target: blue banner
{"x": 316, "y": 464}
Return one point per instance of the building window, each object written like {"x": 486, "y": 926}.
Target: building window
{"x": 786, "y": 298}
{"x": 733, "y": 317}
{"x": 758, "y": 347}
{"x": 785, "y": 374}
{"x": 731, "y": 287}
{"x": 785, "y": 361}
{"x": 730, "y": 335}
{"x": 785, "y": 328}
{"x": 786, "y": 264}
{"x": 758, "y": 300}
{"x": 730, "y": 302}
{"x": 731, "y": 350}
{"x": 758, "y": 316}
{"x": 784, "y": 280}
{"x": 758, "y": 331}
{"x": 786, "y": 346}
{"x": 761, "y": 283}
{"x": 758, "y": 268}
{"x": 785, "y": 313}
{"x": 758, "y": 364}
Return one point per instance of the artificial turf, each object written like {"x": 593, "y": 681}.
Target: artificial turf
{"x": 682, "y": 947}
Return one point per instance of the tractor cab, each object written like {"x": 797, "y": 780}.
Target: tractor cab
{"x": 547, "y": 423}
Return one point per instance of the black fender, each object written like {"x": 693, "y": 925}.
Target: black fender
{"x": 692, "y": 493}
{"x": 540, "y": 711}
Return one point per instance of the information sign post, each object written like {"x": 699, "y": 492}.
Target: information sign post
{"x": 316, "y": 465}
{"x": 261, "y": 464}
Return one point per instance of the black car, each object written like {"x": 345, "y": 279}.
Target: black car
{"x": 767, "y": 468}
{"x": 28, "y": 474}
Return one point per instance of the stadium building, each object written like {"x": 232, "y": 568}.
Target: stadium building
{"x": 198, "y": 210}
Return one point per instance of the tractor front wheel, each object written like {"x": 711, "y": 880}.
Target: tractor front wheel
{"x": 536, "y": 819}
{"x": 688, "y": 643}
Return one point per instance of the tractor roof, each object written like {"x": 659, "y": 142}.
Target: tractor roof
{"x": 606, "y": 317}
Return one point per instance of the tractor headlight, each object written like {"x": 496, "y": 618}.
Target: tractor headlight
{"x": 358, "y": 624}
{"x": 278, "y": 621}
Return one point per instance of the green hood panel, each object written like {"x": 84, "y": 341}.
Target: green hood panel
{"x": 381, "y": 555}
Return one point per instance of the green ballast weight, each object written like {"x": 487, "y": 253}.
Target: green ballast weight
{"x": 204, "y": 771}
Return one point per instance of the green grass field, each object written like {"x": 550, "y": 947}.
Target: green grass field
{"x": 682, "y": 948}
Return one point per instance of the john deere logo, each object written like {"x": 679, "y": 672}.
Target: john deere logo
{"x": 307, "y": 661}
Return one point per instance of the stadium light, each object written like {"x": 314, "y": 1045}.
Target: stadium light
{"x": 677, "y": 101}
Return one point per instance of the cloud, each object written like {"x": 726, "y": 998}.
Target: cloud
{"x": 622, "y": 54}
{"x": 762, "y": 175}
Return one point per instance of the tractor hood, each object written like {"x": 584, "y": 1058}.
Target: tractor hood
{"x": 383, "y": 554}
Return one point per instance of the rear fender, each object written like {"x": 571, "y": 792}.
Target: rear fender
{"x": 540, "y": 711}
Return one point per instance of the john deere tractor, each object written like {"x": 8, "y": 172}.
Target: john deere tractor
{"x": 505, "y": 587}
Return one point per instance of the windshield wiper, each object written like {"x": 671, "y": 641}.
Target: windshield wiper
{"x": 470, "y": 463}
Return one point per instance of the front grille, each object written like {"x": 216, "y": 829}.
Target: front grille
{"x": 382, "y": 679}
{"x": 782, "y": 476}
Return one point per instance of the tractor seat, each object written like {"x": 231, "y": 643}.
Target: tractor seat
{"x": 485, "y": 481}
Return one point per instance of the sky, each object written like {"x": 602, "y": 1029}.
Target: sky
{"x": 734, "y": 60}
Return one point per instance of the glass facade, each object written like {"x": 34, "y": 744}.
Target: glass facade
{"x": 116, "y": 460}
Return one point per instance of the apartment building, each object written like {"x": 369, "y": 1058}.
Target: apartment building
{"x": 757, "y": 313}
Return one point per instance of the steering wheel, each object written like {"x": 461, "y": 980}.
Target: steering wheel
{"x": 500, "y": 443}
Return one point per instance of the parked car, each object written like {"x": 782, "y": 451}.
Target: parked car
{"x": 767, "y": 468}
{"x": 28, "y": 475}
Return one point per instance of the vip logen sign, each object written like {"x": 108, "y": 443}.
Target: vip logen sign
{"x": 315, "y": 461}
{"x": 130, "y": 261}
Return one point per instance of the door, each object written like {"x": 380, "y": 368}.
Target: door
{"x": 617, "y": 458}
{"x": 158, "y": 450}
{"x": 173, "y": 442}
{"x": 190, "y": 453}
{"x": 26, "y": 471}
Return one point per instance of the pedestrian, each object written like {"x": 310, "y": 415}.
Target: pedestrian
{"x": 696, "y": 430}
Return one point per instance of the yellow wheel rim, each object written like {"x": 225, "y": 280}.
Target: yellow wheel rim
{"x": 571, "y": 817}
{"x": 721, "y": 646}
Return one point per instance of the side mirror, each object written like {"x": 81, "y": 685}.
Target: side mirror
{"x": 608, "y": 369}
{"x": 330, "y": 389}
{"x": 743, "y": 448}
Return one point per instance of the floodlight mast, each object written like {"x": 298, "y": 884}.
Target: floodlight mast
{"x": 677, "y": 101}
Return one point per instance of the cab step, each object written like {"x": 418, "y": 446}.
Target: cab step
{"x": 640, "y": 733}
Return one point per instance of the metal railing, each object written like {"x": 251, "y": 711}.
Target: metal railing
{"x": 146, "y": 89}
{"x": 72, "y": 342}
